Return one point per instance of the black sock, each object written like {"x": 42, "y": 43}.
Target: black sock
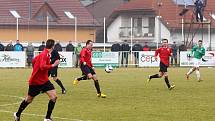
{"x": 154, "y": 76}
{"x": 96, "y": 82}
{"x": 22, "y": 107}
{"x": 167, "y": 81}
{"x": 60, "y": 84}
{"x": 82, "y": 78}
{"x": 50, "y": 108}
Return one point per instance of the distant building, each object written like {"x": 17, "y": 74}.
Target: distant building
{"x": 33, "y": 21}
{"x": 154, "y": 20}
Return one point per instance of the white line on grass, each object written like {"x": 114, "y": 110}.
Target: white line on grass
{"x": 3, "y": 105}
{"x": 36, "y": 115}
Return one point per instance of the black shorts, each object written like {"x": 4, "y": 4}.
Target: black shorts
{"x": 87, "y": 70}
{"x": 163, "y": 67}
{"x": 34, "y": 90}
{"x": 53, "y": 72}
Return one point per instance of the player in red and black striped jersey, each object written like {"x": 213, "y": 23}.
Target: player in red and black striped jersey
{"x": 39, "y": 81}
{"x": 164, "y": 53}
{"x": 88, "y": 71}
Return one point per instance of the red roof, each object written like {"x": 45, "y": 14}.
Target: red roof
{"x": 168, "y": 10}
{"x": 58, "y": 6}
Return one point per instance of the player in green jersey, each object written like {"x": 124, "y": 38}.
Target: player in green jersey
{"x": 198, "y": 51}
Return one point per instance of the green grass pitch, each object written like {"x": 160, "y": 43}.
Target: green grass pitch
{"x": 129, "y": 96}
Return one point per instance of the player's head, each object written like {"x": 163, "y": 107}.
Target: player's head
{"x": 165, "y": 42}
{"x": 89, "y": 44}
{"x": 200, "y": 43}
{"x": 50, "y": 44}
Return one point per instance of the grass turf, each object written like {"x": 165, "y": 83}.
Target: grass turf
{"x": 129, "y": 97}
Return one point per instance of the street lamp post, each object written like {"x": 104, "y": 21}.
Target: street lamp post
{"x": 71, "y": 16}
{"x": 17, "y": 16}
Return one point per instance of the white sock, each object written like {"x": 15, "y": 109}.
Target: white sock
{"x": 190, "y": 71}
{"x": 198, "y": 74}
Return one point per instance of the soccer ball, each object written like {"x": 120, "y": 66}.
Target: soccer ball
{"x": 108, "y": 68}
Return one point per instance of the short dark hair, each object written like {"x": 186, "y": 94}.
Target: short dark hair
{"x": 88, "y": 41}
{"x": 165, "y": 40}
{"x": 50, "y": 43}
{"x": 200, "y": 41}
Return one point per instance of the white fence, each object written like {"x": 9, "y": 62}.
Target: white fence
{"x": 118, "y": 59}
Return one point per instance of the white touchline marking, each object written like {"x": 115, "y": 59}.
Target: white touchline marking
{"x": 31, "y": 114}
{"x": 3, "y": 105}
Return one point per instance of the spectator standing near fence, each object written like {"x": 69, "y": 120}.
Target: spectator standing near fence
{"x": 125, "y": 50}
{"x": 30, "y": 53}
{"x": 1, "y": 47}
{"x": 77, "y": 53}
{"x": 58, "y": 47}
{"x": 115, "y": 47}
{"x": 18, "y": 46}
{"x": 136, "y": 47}
{"x": 69, "y": 47}
{"x": 41, "y": 47}
{"x": 146, "y": 47}
{"x": 9, "y": 46}
{"x": 174, "y": 54}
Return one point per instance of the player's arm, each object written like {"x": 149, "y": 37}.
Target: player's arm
{"x": 82, "y": 56}
{"x": 193, "y": 50}
{"x": 156, "y": 53}
{"x": 203, "y": 51}
{"x": 170, "y": 53}
{"x": 43, "y": 63}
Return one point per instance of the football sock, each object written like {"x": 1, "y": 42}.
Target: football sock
{"x": 50, "y": 108}
{"x": 60, "y": 84}
{"x": 167, "y": 81}
{"x": 198, "y": 74}
{"x": 82, "y": 78}
{"x": 190, "y": 71}
{"x": 96, "y": 82}
{"x": 154, "y": 76}
{"x": 22, "y": 107}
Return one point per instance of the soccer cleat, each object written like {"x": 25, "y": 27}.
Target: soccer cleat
{"x": 171, "y": 87}
{"x": 63, "y": 91}
{"x": 101, "y": 95}
{"x": 16, "y": 117}
{"x": 187, "y": 76}
{"x": 149, "y": 79}
{"x": 75, "y": 82}
{"x": 47, "y": 119}
{"x": 200, "y": 80}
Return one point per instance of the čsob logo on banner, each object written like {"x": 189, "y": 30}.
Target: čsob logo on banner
{"x": 147, "y": 59}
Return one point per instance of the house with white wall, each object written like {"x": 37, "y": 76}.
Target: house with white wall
{"x": 153, "y": 20}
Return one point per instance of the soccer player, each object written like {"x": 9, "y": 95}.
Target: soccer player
{"x": 164, "y": 53}
{"x": 39, "y": 81}
{"x": 53, "y": 72}
{"x": 198, "y": 52}
{"x": 88, "y": 71}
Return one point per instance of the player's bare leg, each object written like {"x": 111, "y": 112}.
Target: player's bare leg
{"x": 198, "y": 75}
{"x": 190, "y": 72}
